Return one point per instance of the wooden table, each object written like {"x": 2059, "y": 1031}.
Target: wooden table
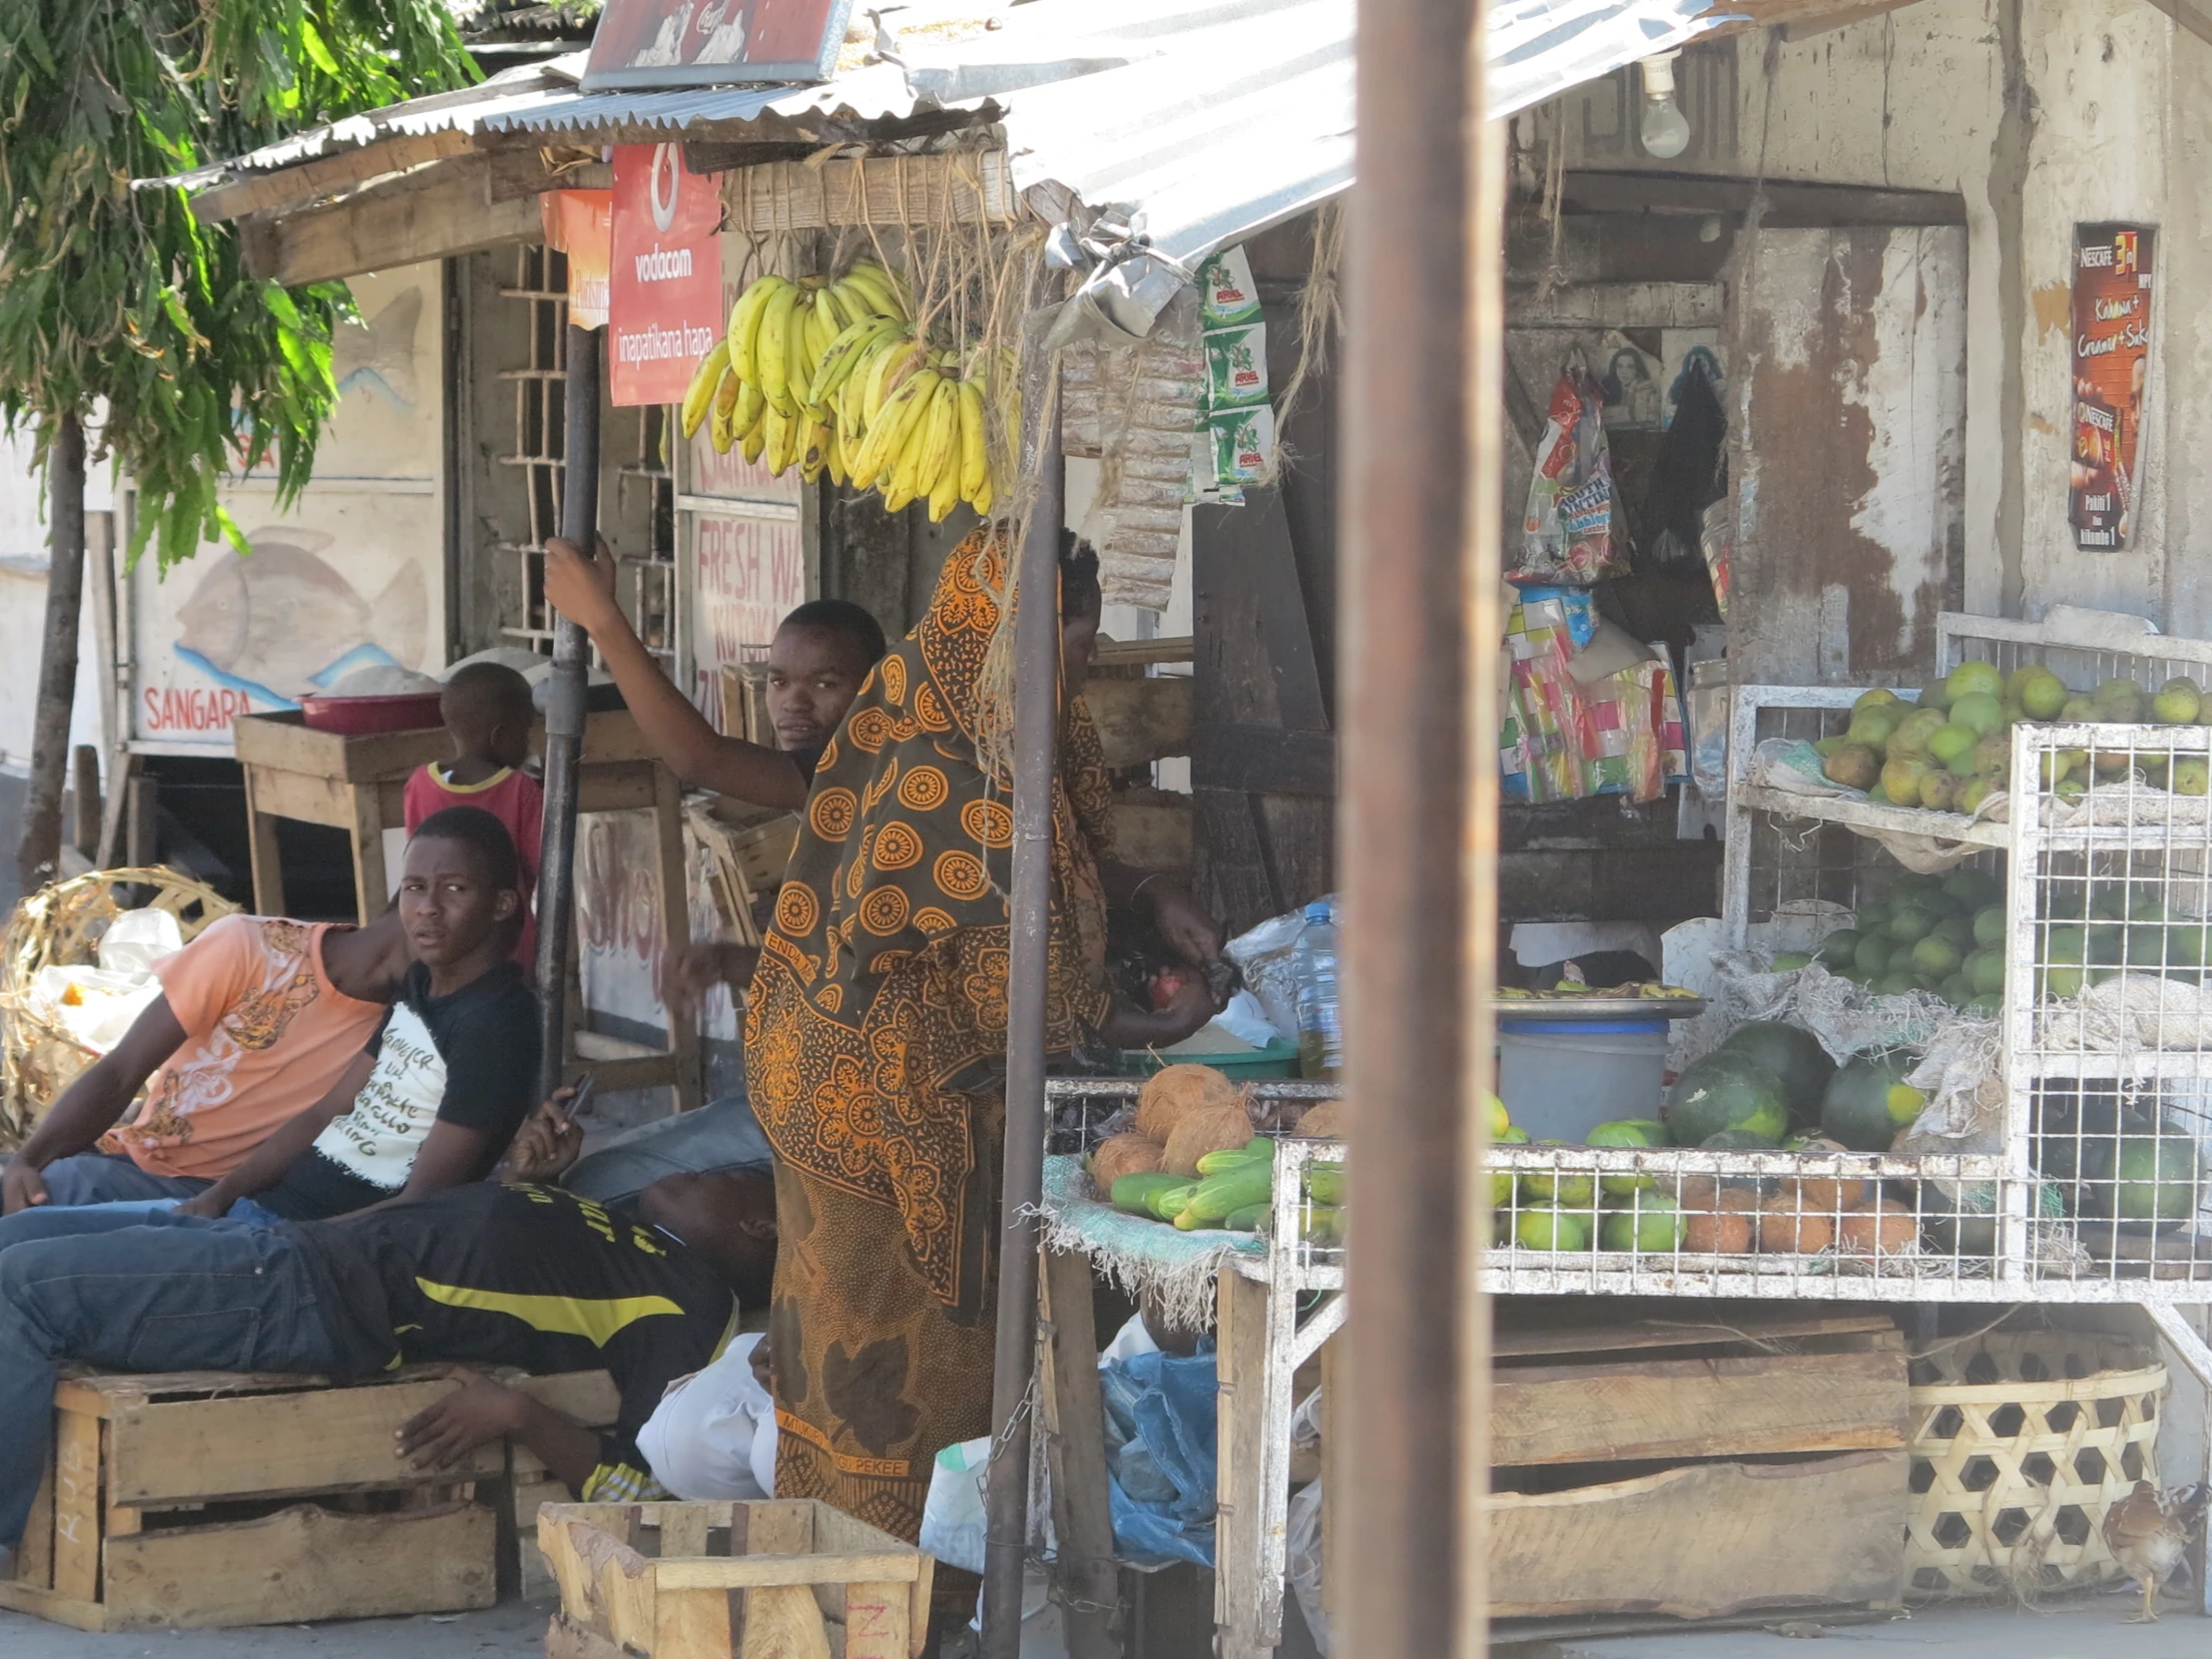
{"x": 358, "y": 784}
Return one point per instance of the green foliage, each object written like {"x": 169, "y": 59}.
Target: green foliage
{"x": 110, "y": 292}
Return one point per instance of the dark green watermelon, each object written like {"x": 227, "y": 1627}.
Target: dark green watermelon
{"x": 1867, "y": 1103}
{"x": 1792, "y": 1054}
{"x": 1726, "y": 1090}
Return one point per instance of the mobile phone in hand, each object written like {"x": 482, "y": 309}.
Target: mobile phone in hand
{"x": 580, "y": 1101}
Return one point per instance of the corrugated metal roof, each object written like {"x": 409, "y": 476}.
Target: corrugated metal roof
{"x": 1219, "y": 117}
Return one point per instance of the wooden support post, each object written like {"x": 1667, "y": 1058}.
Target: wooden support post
{"x": 1251, "y": 1525}
{"x": 1087, "y": 1580}
{"x": 142, "y": 834}
{"x": 84, "y": 787}
{"x": 369, "y": 879}
{"x": 269, "y": 864}
{"x": 667, "y": 827}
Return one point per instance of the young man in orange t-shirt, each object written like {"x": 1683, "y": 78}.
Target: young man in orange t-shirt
{"x": 256, "y": 1018}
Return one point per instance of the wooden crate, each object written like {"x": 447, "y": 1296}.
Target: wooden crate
{"x": 1624, "y": 1477}
{"x": 211, "y": 1499}
{"x": 791, "y": 1577}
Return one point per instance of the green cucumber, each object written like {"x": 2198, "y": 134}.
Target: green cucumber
{"x": 1168, "y": 1202}
{"x": 1325, "y": 1183}
{"x": 1247, "y": 1183}
{"x": 1246, "y": 1220}
{"x": 1133, "y": 1193}
{"x": 1221, "y": 1163}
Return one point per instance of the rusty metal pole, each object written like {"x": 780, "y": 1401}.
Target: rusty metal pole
{"x": 564, "y": 709}
{"x": 1405, "y": 827}
{"x": 1036, "y": 729}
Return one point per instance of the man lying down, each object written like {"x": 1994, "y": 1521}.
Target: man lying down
{"x": 525, "y": 1275}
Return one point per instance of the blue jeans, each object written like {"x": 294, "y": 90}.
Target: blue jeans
{"x": 722, "y": 1134}
{"x": 58, "y": 1220}
{"x": 106, "y": 1178}
{"x": 141, "y": 1292}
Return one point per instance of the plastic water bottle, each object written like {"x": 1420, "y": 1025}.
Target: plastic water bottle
{"x": 1320, "y": 1049}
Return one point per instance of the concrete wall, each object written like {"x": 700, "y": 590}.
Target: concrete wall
{"x": 2039, "y": 114}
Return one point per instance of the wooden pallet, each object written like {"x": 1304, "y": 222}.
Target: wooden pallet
{"x": 785, "y": 1577}
{"x": 1721, "y": 1458}
{"x": 209, "y": 1498}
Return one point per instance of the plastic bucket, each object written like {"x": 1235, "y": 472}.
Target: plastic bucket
{"x": 1562, "y": 1078}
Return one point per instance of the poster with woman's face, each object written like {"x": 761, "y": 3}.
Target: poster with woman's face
{"x": 691, "y": 43}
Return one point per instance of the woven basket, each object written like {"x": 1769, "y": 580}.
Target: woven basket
{"x": 60, "y": 925}
{"x": 2020, "y": 1445}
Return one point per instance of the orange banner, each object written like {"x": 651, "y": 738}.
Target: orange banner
{"x": 2111, "y": 360}
{"x": 664, "y": 291}
{"x": 580, "y": 224}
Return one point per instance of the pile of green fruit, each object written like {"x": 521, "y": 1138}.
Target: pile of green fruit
{"x": 1942, "y": 935}
{"x": 1563, "y": 1209}
{"x": 1233, "y": 1193}
{"x": 1951, "y": 749}
{"x": 1770, "y": 1085}
{"x": 2095, "y": 930}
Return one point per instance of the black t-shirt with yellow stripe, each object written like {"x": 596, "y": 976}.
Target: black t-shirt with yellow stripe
{"x": 524, "y": 1276}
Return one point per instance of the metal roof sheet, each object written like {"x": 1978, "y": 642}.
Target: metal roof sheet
{"x": 1217, "y": 118}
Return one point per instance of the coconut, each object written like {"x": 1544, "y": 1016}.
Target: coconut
{"x": 1721, "y": 1233}
{"x": 1324, "y": 1121}
{"x": 1221, "y": 1127}
{"x": 1173, "y": 1091}
{"x": 1879, "y": 1230}
{"x": 1123, "y": 1155}
{"x": 1789, "y": 1231}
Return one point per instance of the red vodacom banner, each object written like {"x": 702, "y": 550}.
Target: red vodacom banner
{"x": 665, "y": 292}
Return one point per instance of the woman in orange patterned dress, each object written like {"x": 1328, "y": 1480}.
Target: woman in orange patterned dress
{"x": 875, "y": 1038}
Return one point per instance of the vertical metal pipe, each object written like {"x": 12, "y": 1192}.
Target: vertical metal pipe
{"x": 1402, "y": 819}
{"x": 564, "y": 709}
{"x": 1036, "y": 728}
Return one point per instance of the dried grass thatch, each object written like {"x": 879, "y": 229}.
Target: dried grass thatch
{"x": 60, "y": 925}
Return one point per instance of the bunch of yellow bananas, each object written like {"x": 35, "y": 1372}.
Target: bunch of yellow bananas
{"x": 834, "y": 376}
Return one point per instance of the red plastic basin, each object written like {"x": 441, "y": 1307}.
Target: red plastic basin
{"x": 357, "y": 717}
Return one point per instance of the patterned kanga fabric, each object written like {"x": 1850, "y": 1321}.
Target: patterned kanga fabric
{"x": 874, "y": 1036}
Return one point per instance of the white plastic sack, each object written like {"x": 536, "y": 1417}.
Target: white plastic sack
{"x": 1248, "y": 1020}
{"x": 952, "y": 1521}
{"x": 94, "y": 1006}
{"x": 712, "y": 1438}
{"x": 1303, "y": 1539}
{"x": 137, "y": 939}
{"x": 1267, "y": 958}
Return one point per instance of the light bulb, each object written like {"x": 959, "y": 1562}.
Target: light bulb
{"x": 1666, "y": 130}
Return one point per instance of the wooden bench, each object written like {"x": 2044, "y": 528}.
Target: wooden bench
{"x": 209, "y": 1498}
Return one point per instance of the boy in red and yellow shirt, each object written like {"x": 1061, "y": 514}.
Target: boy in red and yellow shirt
{"x": 489, "y": 715}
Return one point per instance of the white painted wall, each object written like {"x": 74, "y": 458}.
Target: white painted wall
{"x": 22, "y": 565}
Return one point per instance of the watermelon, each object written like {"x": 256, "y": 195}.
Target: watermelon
{"x": 1840, "y": 947}
{"x": 1727, "y": 1090}
{"x": 2142, "y": 1178}
{"x": 1738, "y": 1140}
{"x": 1794, "y": 1055}
{"x": 1868, "y": 1102}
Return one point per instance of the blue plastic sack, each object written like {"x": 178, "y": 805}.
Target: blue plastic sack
{"x": 1160, "y": 1455}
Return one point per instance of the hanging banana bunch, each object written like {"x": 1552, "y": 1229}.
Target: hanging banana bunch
{"x": 833, "y": 377}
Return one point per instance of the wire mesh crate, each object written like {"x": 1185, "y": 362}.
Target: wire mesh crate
{"x": 1795, "y": 857}
{"x": 2108, "y": 1032}
{"x": 1677, "y": 1220}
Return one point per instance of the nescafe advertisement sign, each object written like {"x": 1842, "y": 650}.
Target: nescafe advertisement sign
{"x": 664, "y": 298}
{"x": 2112, "y": 359}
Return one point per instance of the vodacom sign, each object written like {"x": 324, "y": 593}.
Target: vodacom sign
{"x": 665, "y": 289}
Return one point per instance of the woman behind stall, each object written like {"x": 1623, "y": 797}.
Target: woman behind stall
{"x": 876, "y": 1039}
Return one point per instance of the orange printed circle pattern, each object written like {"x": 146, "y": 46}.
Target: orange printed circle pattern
{"x": 988, "y": 823}
{"x": 961, "y": 875}
{"x": 925, "y": 789}
{"x": 832, "y": 812}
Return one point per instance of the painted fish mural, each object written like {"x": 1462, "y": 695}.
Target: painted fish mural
{"x": 377, "y": 356}
{"x": 283, "y": 623}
